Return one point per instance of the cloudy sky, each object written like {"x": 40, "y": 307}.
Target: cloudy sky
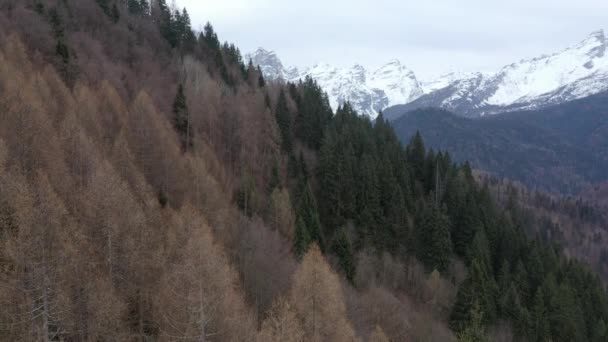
{"x": 428, "y": 36}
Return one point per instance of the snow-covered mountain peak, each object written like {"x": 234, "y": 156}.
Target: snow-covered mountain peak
{"x": 369, "y": 92}
{"x": 394, "y": 67}
{"x": 395, "y": 63}
{"x": 593, "y": 46}
{"x": 261, "y": 51}
{"x": 358, "y": 73}
{"x": 399, "y": 83}
{"x": 269, "y": 62}
{"x": 574, "y": 72}
{"x": 446, "y": 79}
{"x": 598, "y": 35}
{"x": 584, "y": 65}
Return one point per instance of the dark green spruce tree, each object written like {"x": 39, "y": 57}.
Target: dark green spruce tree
{"x": 283, "y": 118}
{"x": 181, "y": 119}
{"x": 329, "y": 176}
{"x": 343, "y": 249}
{"x": 115, "y": 13}
{"x": 434, "y": 242}
{"x": 105, "y": 6}
{"x": 261, "y": 80}
{"x": 308, "y": 225}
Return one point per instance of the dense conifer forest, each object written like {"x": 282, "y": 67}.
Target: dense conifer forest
{"x": 561, "y": 149}
{"x": 155, "y": 187}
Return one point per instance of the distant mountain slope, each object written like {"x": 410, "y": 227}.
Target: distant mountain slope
{"x": 576, "y": 72}
{"x": 559, "y": 148}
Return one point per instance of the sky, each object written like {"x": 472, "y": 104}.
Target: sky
{"x": 431, "y": 37}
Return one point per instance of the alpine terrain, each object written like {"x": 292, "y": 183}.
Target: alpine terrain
{"x": 575, "y": 72}
{"x": 369, "y": 92}
{"x": 154, "y": 186}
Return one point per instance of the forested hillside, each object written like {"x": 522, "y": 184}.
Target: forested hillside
{"x": 577, "y": 224}
{"x": 562, "y": 149}
{"x": 155, "y": 187}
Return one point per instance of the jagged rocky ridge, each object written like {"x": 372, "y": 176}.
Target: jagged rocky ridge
{"x": 368, "y": 91}
{"x": 575, "y": 72}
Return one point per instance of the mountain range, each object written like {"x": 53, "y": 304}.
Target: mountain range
{"x": 369, "y": 92}
{"x": 572, "y": 73}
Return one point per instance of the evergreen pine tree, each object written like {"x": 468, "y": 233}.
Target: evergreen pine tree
{"x": 348, "y": 195}
{"x": 565, "y": 317}
{"x": 485, "y": 288}
{"x": 211, "y": 37}
{"x": 460, "y": 315}
{"x": 302, "y": 168}
{"x": 308, "y": 214}
{"x": 144, "y": 7}
{"x": 283, "y": 118}
{"x": 188, "y": 39}
{"x": 467, "y": 223}
{"x": 417, "y": 156}
{"x": 39, "y": 7}
{"x": 292, "y": 165}
{"x": 56, "y": 24}
{"x": 474, "y": 331}
{"x": 342, "y": 248}
{"x": 368, "y": 200}
{"x": 435, "y": 245}
{"x": 275, "y": 179}
{"x": 396, "y": 227}
{"x": 540, "y": 324}
{"x": 181, "y": 119}
{"x": 329, "y": 174}
{"x": 314, "y": 113}
{"x": 520, "y": 280}
{"x": 535, "y": 268}
{"x": 246, "y": 194}
{"x": 261, "y": 81}
{"x": 166, "y": 23}
{"x": 115, "y": 13}
{"x": 62, "y": 50}
{"x": 134, "y": 7}
{"x": 504, "y": 281}
{"x": 386, "y": 179}
{"x": 430, "y": 175}
{"x": 302, "y": 238}
{"x": 105, "y": 6}
{"x": 480, "y": 251}
{"x": 600, "y": 332}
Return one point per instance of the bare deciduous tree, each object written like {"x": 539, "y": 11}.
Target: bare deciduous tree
{"x": 317, "y": 297}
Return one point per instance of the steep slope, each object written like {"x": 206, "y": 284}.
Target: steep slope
{"x": 560, "y": 148}
{"x": 576, "y": 72}
{"x": 154, "y": 188}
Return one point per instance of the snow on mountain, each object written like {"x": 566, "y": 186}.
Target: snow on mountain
{"x": 447, "y": 79}
{"x": 398, "y": 83}
{"x": 269, "y": 63}
{"x": 575, "y": 72}
{"x": 530, "y": 79}
{"x": 369, "y": 92}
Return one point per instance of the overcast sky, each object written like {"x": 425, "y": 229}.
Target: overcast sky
{"x": 428, "y": 36}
